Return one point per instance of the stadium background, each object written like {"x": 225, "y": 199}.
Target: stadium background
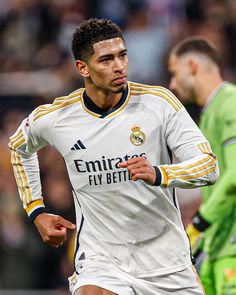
{"x": 36, "y": 66}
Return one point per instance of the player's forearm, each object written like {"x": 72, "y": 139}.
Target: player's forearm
{"x": 221, "y": 199}
{"x": 218, "y": 206}
{"x": 199, "y": 171}
{"x": 223, "y": 195}
{"x": 26, "y": 171}
{"x": 24, "y": 144}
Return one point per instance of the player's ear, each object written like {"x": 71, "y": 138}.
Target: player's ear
{"x": 193, "y": 66}
{"x": 82, "y": 68}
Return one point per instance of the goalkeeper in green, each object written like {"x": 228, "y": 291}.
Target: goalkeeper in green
{"x": 194, "y": 65}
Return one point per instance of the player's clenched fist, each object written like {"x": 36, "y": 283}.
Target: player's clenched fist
{"x": 53, "y": 228}
{"x": 140, "y": 168}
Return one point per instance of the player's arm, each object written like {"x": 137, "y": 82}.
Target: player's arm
{"x": 24, "y": 145}
{"x": 198, "y": 171}
{"x": 223, "y": 195}
{"x": 218, "y": 204}
{"x": 222, "y": 198}
{"x": 197, "y": 164}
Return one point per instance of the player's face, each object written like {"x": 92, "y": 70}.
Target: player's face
{"x": 181, "y": 82}
{"x": 108, "y": 66}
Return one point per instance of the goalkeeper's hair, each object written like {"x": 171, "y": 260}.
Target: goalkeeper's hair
{"x": 92, "y": 31}
{"x": 197, "y": 44}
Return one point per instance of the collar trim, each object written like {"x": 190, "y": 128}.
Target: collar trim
{"x": 91, "y": 108}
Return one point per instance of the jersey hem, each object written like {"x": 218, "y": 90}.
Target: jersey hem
{"x": 161, "y": 271}
{"x": 92, "y": 282}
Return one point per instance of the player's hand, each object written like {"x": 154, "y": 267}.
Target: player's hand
{"x": 140, "y": 168}
{"x": 53, "y": 228}
{"x": 195, "y": 237}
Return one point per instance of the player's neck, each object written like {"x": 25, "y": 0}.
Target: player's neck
{"x": 104, "y": 99}
{"x": 206, "y": 89}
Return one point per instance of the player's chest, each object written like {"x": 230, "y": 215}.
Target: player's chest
{"x": 88, "y": 136}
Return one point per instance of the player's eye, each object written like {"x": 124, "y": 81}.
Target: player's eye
{"x": 107, "y": 59}
{"x": 124, "y": 54}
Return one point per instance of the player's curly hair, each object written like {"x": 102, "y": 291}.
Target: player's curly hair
{"x": 92, "y": 31}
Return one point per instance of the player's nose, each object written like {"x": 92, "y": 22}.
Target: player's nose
{"x": 118, "y": 65}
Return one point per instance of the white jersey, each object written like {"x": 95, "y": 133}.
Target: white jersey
{"x": 136, "y": 226}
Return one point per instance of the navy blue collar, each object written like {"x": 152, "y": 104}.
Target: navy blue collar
{"x": 91, "y": 106}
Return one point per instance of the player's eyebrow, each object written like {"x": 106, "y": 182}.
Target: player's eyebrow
{"x": 105, "y": 56}
{"x": 124, "y": 51}
{"x": 111, "y": 55}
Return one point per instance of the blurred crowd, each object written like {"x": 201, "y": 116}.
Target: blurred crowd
{"x": 37, "y": 66}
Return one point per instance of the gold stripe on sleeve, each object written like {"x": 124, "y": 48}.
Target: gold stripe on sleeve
{"x": 24, "y": 177}
{"x": 57, "y": 104}
{"x": 199, "y": 162}
{"x": 18, "y": 176}
{"x": 165, "y": 175}
{"x": 191, "y": 171}
{"x": 167, "y": 91}
{"x": 17, "y": 133}
{"x": 196, "y": 175}
{"x": 32, "y": 205}
{"x": 18, "y": 143}
{"x": 16, "y": 138}
{"x": 158, "y": 91}
{"x": 193, "y": 167}
{"x": 157, "y": 94}
{"x": 206, "y": 149}
{"x": 201, "y": 148}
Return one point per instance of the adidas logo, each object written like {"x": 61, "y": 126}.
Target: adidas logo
{"x": 78, "y": 146}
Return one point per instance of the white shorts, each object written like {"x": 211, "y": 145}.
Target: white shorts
{"x": 100, "y": 272}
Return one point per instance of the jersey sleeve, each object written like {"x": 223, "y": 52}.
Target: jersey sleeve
{"x": 222, "y": 197}
{"x": 24, "y": 145}
{"x": 197, "y": 165}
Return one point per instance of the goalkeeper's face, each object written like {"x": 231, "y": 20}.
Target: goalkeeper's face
{"x": 106, "y": 69}
{"x": 182, "y": 80}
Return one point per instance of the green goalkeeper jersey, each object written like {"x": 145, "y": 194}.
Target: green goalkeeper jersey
{"x": 218, "y": 124}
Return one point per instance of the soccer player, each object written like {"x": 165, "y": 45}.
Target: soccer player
{"x": 117, "y": 139}
{"x": 194, "y": 65}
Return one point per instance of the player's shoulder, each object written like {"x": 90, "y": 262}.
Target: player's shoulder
{"x": 59, "y": 103}
{"x": 155, "y": 94}
{"x": 225, "y": 100}
{"x": 229, "y": 91}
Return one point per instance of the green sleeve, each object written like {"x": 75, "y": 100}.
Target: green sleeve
{"x": 224, "y": 194}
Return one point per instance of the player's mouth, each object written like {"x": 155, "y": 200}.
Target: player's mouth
{"x": 120, "y": 80}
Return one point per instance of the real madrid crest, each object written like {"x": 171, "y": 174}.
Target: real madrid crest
{"x": 137, "y": 136}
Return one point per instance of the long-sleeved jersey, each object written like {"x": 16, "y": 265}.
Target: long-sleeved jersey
{"x": 135, "y": 225}
{"x": 218, "y": 123}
